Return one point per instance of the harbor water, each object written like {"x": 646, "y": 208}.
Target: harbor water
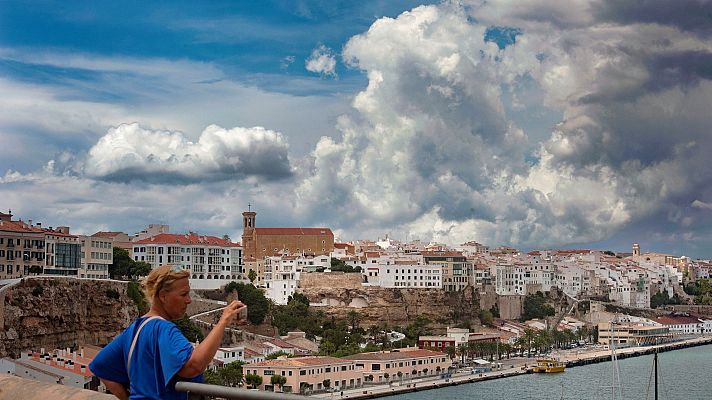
{"x": 684, "y": 374}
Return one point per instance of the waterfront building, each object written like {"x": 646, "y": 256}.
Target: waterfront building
{"x": 627, "y": 334}
{"x": 212, "y": 262}
{"x": 305, "y": 374}
{"x": 97, "y": 254}
{"x": 682, "y": 324}
{"x": 406, "y": 363}
{"x": 22, "y": 247}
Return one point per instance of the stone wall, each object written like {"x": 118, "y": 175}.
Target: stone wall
{"x": 510, "y": 307}
{"x": 705, "y": 311}
{"x": 63, "y": 312}
{"x": 336, "y": 280}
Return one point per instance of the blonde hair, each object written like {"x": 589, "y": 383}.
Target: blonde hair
{"x": 162, "y": 278}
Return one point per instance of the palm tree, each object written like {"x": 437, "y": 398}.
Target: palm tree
{"x": 450, "y": 350}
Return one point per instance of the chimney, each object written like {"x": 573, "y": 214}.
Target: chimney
{"x": 83, "y": 368}
{"x": 39, "y": 224}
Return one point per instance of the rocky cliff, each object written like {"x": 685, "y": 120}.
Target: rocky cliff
{"x": 62, "y": 312}
{"x": 337, "y": 294}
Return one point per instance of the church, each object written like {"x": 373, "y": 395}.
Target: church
{"x": 258, "y": 243}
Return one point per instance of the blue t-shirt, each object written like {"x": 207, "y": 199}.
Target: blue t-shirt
{"x": 160, "y": 352}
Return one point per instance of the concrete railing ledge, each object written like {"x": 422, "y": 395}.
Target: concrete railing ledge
{"x": 13, "y": 388}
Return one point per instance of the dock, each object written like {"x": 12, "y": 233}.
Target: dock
{"x": 572, "y": 359}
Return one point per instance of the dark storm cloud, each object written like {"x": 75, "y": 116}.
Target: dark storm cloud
{"x": 688, "y": 15}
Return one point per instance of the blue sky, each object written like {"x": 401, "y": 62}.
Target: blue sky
{"x": 532, "y": 125}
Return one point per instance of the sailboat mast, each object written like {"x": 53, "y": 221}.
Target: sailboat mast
{"x": 655, "y": 363}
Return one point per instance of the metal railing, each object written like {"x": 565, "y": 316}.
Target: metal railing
{"x": 201, "y": 391}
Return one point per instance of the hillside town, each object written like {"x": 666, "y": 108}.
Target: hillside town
{"x": 528, "y": 303}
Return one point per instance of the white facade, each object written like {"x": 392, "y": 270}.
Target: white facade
{"x": 212, "y": 262}
{"x": 510, "y": 280}
{"x": 418, "y": 276}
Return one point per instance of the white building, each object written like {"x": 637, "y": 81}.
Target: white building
{"x": 212, "y": 262}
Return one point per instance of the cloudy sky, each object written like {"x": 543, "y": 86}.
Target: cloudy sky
{"x": 519, "y": 123}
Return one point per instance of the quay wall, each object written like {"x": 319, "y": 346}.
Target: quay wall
{"x": 584, "y": 359}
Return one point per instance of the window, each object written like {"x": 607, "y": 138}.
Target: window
{"x": 375, "y": 367}
{"x": 303, "y": 372}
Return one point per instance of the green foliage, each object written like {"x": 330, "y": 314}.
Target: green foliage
{"x": 133, "y": 290}
{"x": 277, "y": 354}
{"x": 37, "y": 291}
{"x": 340, "y": 265}
{"x": 495, "y": 311}
{"x": 535, "y": 306}
{"x": 486, "y": 317}
{"x": 140, "y": 268}
{"x": 300, "y": 298}
{"x": 229, "y": 375}
{"x": 124, "y": 267}
{"x": 253, "y": 380}
{"x": 326, "y": 383}
{"x": 189, "y": 329}
{"x": 254, "y": 298}
{"x": 662, "y": 299}
{"x": 112, "y": 294}
{"x": 35, "y": 269}
{"x": 278, "y": 380}
{"x": 702, "y": 290}
{"x": 252, "y": 275}
{"x": 120, "y": 268}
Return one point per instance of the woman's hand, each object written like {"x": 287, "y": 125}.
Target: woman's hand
{"x": 232, "y": 312}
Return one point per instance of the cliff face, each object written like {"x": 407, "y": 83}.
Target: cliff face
{"x": 62, "y": 312}
{"x": 337, "y": 294}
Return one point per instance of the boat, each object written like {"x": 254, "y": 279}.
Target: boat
{"x": 549, "y": 366}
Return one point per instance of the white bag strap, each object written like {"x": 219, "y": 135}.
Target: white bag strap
{"x": 135, "y": 339}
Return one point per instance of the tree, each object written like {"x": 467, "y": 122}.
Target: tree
{"x": 535, "y": 306}
{"x": 231, "y": 373}
{"x": 35, "y": 269}
{"x": 299, "y": 297}
{"x": 254, "y": 298}
{"x": 451, "y": 351}
{"x": 140, "y": 268}
{"x": 226, "y": 237}
{"x": 278, "y": 380}
{"x": 326, "y": 383}
{"x": 486, "y": 317}
{"x": 120, "y": 268}
{"x": 354, "y": 319}
{"x": 252, "y": 275}
{"x": 253, "y": 380}
{"x": 189, "y": 329}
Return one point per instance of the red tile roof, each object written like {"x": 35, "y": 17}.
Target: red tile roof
{"x": 107, "y": 235}
{"x": 393, "y": 355}
{"x": 442, "y": 254}
{"x": 294, "y": 231}
{"x": 300, "y": 361}
{"x": 19, "y": 226}
{"x": 677, "y": 320}
{"x": 188, "y": 239}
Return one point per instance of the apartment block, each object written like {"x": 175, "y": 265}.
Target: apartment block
{"x": 212, "y": 262}
{"x": 22, "y": 248}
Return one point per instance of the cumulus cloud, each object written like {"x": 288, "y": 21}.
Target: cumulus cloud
{"x": 439, "y": 143}
{"x": 130, "y": 152}
{"x": 322, "y": 61}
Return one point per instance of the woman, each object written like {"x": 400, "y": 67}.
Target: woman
{"x": 151, "y": 355}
